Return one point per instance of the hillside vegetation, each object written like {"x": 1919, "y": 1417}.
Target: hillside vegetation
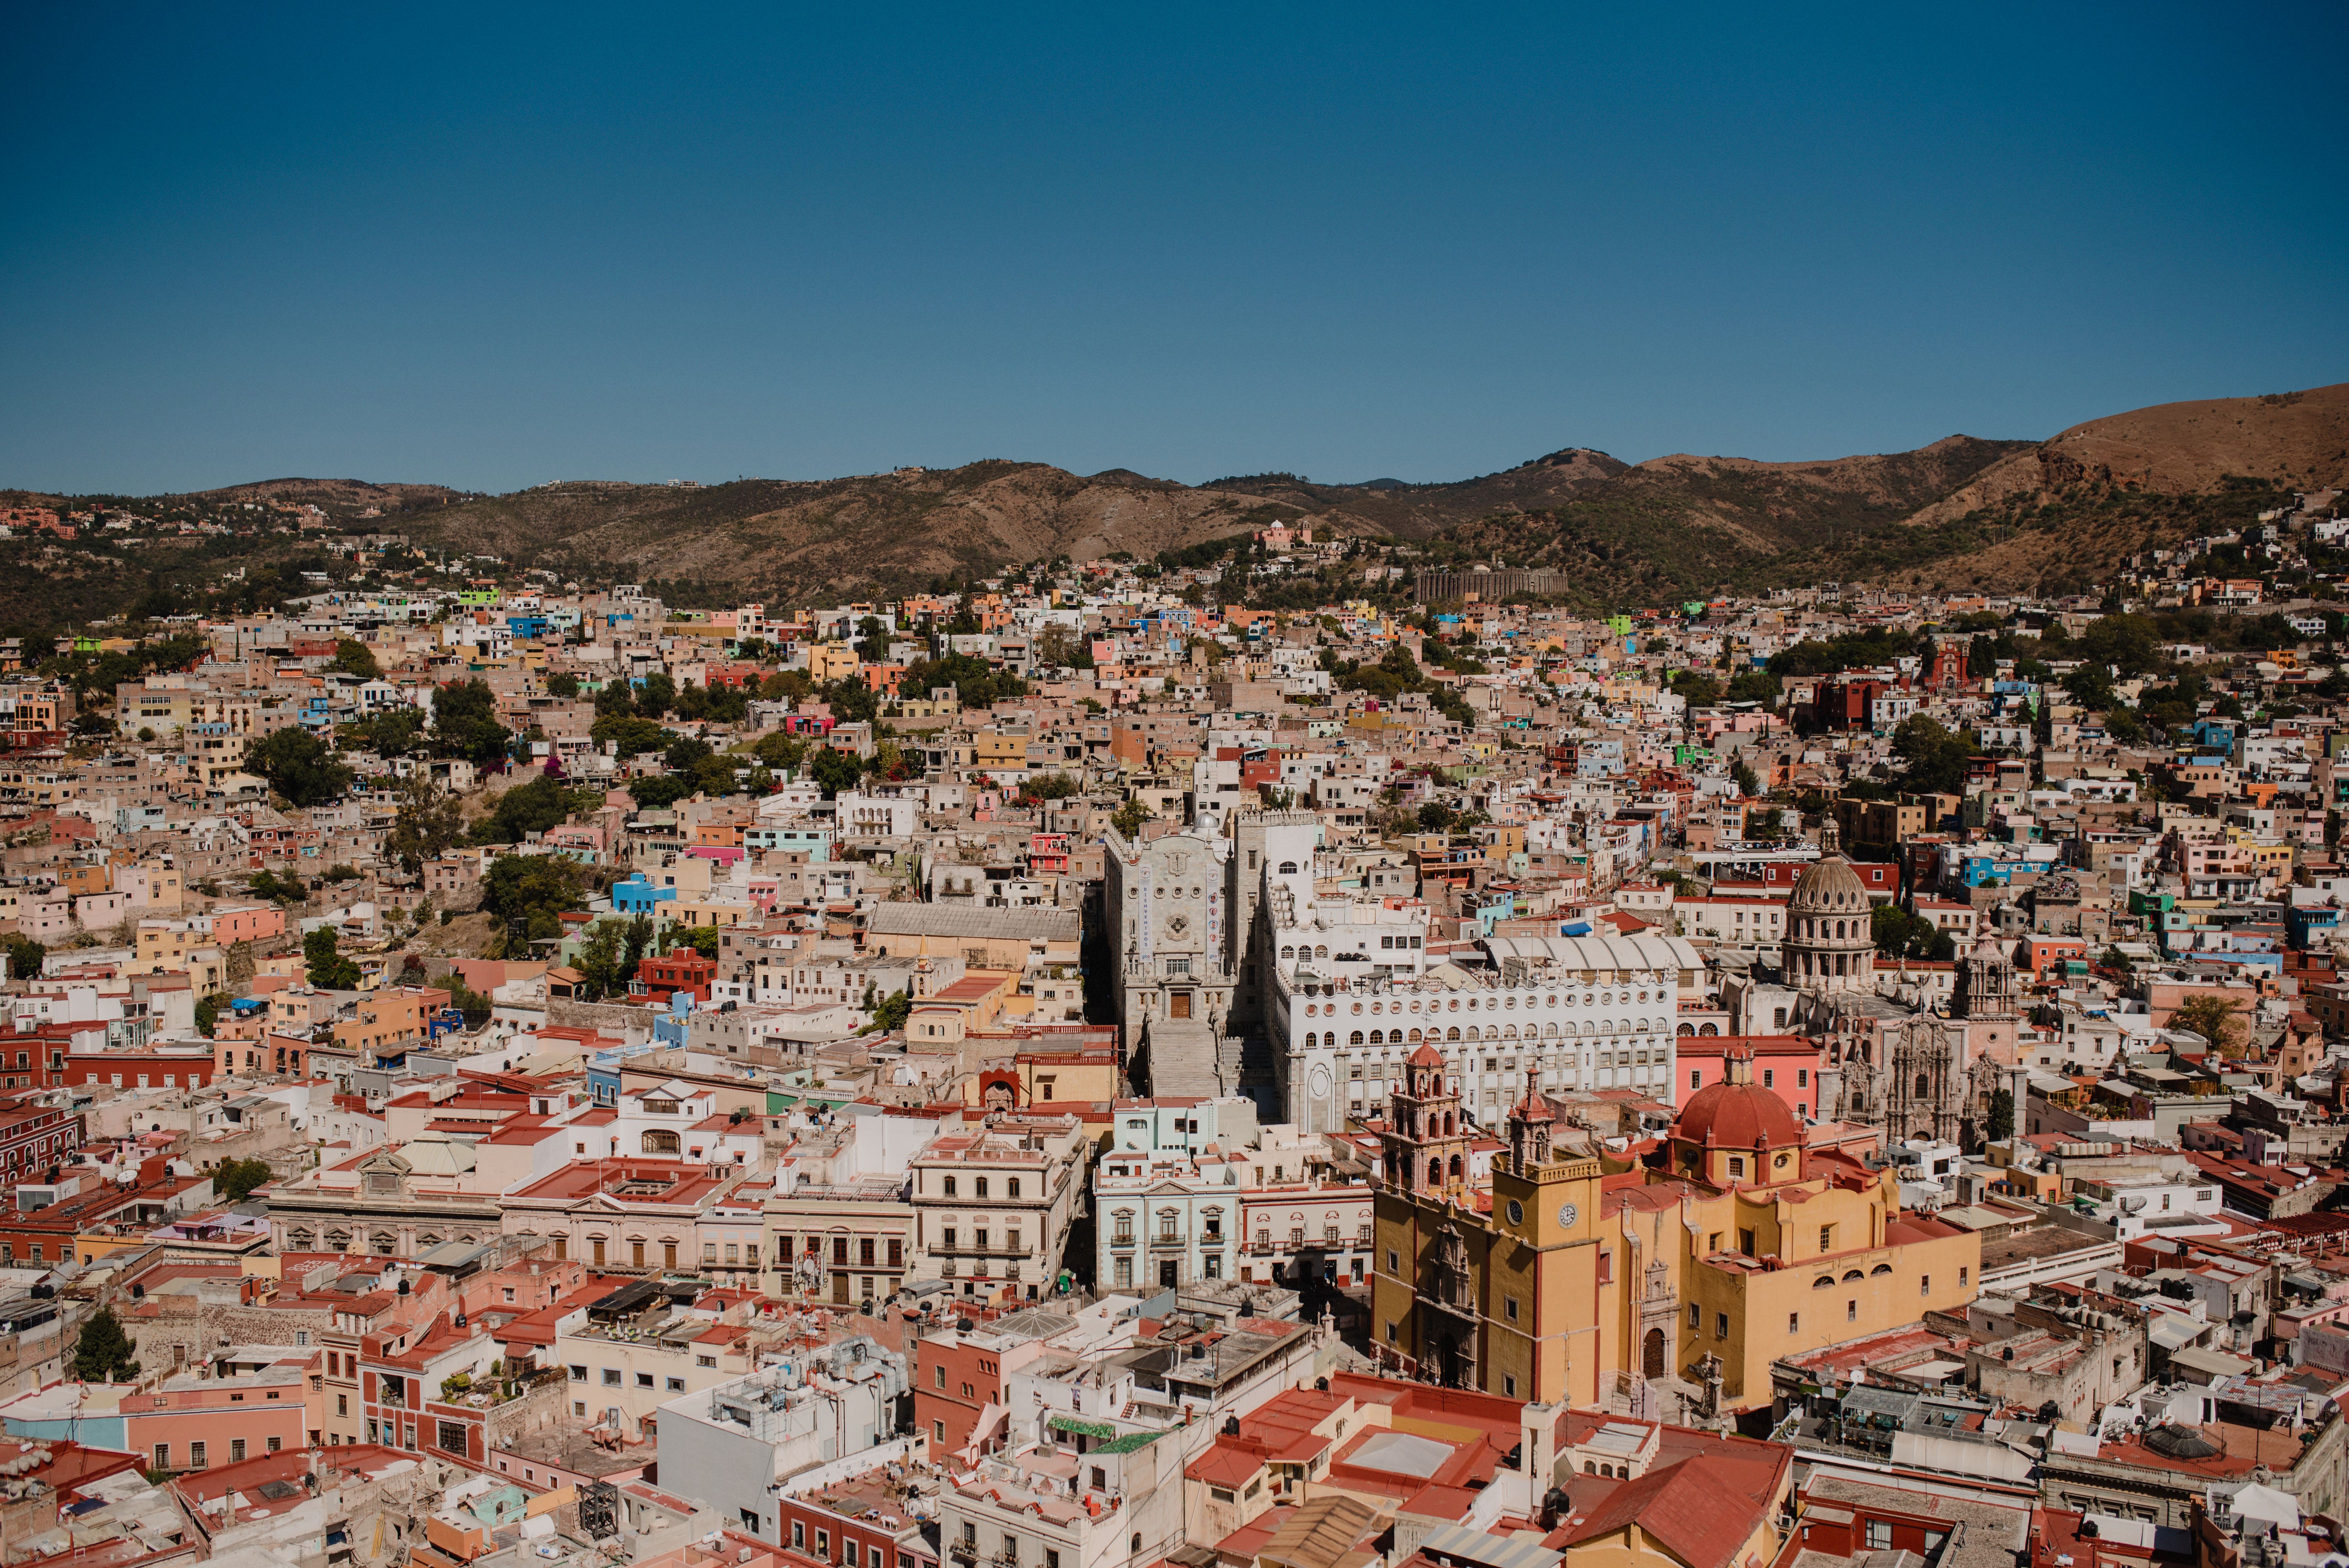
{"x": 1961, "y": 513}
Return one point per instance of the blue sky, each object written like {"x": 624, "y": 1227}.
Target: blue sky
{"x": 492, "y": 246}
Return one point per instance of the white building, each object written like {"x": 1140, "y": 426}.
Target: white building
{"x": 732, "y": 1445}
{"x": 1586, "y": 1011}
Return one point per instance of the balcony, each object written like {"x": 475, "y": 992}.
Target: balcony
{"x": 962, "y": 1551}
{"x": 1163, "y": 1242}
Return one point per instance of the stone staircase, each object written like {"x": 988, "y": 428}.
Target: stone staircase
{"x": 1183, "y": 1056}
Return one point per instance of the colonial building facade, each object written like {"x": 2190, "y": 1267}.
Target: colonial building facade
{"x": 1740, "y": 1244}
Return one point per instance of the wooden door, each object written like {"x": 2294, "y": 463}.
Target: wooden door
{"x": 1179, "y": 1005}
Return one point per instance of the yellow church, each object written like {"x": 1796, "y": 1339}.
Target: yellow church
{"x": 1564, "y": 1283}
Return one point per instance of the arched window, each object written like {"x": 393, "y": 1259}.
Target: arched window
{"x": 1451, "y": 1123}
{"x": 1851, "y": 1274}
{"x": 1879, "y": 1269}
{"x": 1414, "y": 1037}
{"x": 1378, "y": 1036}
{"x": 1436, "y": 1172}
{"x": 1320, "y": 953}
{"x": 658, "y": 1140}
{"x": 1288, "y": 952}
{"x": 1455, "y": 1168}
{"x": 1924, "y": 1086}
{"x": 1288, "y": 868}
{"x": 1355, "y": 1038}
{"x": 1011, "y": 1187}
{"x": 1823, "y": 1282}
{"x": 1687, "y": 1029}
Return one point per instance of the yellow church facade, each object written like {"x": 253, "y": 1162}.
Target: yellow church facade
{"x": 1566, "y": 1282}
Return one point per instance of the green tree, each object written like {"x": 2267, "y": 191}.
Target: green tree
{"x": 655, "y": 694}
{"x": 465, "y": 722}
{"x": 2001, "y": 1124}
{"x": 532, "y": 890}
{"x": 635, "y": 942}
{"x": 234, "y": 1179}
{"x": 630, "y": 737}
{"x": 614, "y": 700}
{"x": 353, "y": 657}
{"x": 427, "y": 821}
{"x": 780, "y": 751}
{"x": 2214, "y": 1018}
{"x": 702, "y": 939}
{"x": 298, "y": 766}
{"x": 526, "y": 809}
{"x": 330, "y": 970}
{"x": 834, "y": 770}
{"x": 1129, "y": 818}
{"x": 1435, "y": 816}
{"x": 287, "y": 889}
{"x": 598, "y": 960}
{"x": 658, "y": 792}
{"x": 1937, "y": 757}
{"x": 890, "y": 1013}
{"x": 563, "y": 684}
{"x": 1749, "y": 784}
{"x": 103, "y": 1354}
{"x": 25, "y": 957}
{"x": 1900, "y": 935}
{"x": 208, "y": 1010}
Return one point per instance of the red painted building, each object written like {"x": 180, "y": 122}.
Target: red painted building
{"x": 681, "y": 970}
{"x": 954, "y": 1379}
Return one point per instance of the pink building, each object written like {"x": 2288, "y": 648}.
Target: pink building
{"x": 1785, "y": 1064}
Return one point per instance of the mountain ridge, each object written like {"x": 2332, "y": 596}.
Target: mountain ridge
{"x": 1959, "y": 511}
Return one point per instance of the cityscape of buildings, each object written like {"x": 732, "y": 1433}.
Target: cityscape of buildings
{"x": 1075, "y": 1071}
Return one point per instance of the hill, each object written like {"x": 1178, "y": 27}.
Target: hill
{"x": 1961, "y": 512}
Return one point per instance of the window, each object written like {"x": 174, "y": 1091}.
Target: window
{"x": 450, "y": 1437}
{"x": 1879, "y": 1535}
{"x": 611, "y": 1377}
{"x": 799, "y": 1534}
{"x": 196, "y": 1458}
{"x": 1737, "y": 1167}
{"x": 941, "y": 1370}
{"x": 823, "y": 1543}
{"x": 1769, "y": 1077}
{"x": 1509, "y": 1308}
{"x": 342, "y": 1405}
{"x": 950, "y": 1186}
{"x": 1010, "y": 1548}
{"x": 1961, "y": 1276}
{"x": 1011, "y": 1187}
{"x": 1924, "y": 1284}
{"x": 1721, "y": 1325}
{"x": 1696, "y": 1318}
{"x": 579, "y": 1373}
{"x": 1794, "y": 1323}
{"x": 1802, "y": 1078}
{"x": 1851, "y": 1311}
{"x": 643, "y": 1379}
{"x": 162, "y": 1456}
{"x": 979, "y": 1186}
{"x": 1826, "y": 1238}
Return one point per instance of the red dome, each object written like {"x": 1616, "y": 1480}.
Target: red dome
{"x": 1427, "y": 1056}
{"x": 1738, "y": 1116}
